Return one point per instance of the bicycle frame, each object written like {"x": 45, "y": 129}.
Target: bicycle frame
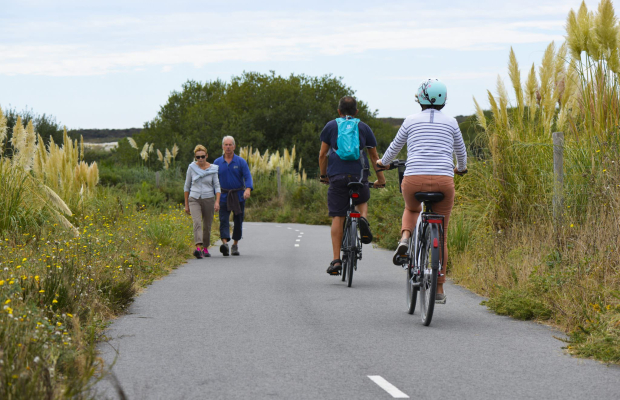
{"x": 426, "y": 220}
{"x": 351, "y": 246}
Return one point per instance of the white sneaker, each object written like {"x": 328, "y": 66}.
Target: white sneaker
{"x": 401, "y": 250}
{"x": 440, "y": 298}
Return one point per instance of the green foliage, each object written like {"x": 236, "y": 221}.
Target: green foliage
{"x": 265, "y": 111}
{"x": 518, "y": 304}
{"x": 59, "y": 291}
{"x": 148, "y": 195}
{"x": 599, "y": 337}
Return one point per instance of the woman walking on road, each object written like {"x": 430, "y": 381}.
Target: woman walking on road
{"x": 431, "y": 137}
{"x": 202, "y": 198}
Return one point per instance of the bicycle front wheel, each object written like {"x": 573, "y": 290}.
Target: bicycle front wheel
{"x": 429, "y": 270}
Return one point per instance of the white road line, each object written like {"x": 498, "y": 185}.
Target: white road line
{"x": 299, "y": 236}
{"x": 298, "y": 240}
{"x": 289, "y": 228}
{"x": 297, "y": 245}
{"x": 296, "y": 230}
{"x": 388, "y": 387}
{"x": 301, "y": 233}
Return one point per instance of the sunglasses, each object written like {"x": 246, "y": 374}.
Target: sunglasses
{"x": 199, "y": 157}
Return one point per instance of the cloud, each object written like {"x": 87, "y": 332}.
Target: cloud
{"x": 98, "y": 45}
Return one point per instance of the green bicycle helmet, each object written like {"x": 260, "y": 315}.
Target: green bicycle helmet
{"x": 432, "y": 92}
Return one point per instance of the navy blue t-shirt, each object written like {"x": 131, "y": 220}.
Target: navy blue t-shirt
{"x": 337, "y": 166}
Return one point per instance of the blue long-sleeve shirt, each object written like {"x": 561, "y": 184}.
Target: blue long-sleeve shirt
{"x": 234, "y": 175}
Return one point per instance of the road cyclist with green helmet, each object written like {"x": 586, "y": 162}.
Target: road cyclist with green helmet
{"x": 432, "y": 139}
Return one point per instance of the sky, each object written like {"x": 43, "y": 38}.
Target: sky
{"x": 112, "y": 64}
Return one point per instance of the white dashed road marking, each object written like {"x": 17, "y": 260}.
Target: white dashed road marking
{"x": 297, "y": 245}
{"x": 388, "y": 387}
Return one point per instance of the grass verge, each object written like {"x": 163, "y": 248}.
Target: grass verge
{"x": 58, "y": 292}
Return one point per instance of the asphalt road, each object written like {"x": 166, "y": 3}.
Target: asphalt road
{"x": 271, "y": 324}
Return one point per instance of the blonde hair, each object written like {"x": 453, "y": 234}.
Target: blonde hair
{"x": 200, "y": 148}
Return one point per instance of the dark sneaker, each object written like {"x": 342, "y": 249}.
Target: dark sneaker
{"x": 235, "y": 250}
{"x": 401, "y": 250}
{"x": 365, "y": 233}
{"x": 198, "y": 254}
{"x": 440, "y": 298}
{"x": 205, "y": 253}
{"x": 224, "y": 249}
{"x": 334, "y": 269}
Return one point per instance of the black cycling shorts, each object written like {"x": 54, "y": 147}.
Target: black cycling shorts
{"x": 338, "y": 194}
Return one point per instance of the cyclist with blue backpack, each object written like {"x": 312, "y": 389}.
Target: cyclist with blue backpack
{"x": 341, "y": 159}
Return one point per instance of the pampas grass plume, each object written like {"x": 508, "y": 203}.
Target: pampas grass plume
{"x": 605, "y": 27}
{"x": 573, "y": 35}
{"x": 482, "y": 120}
{"x": 132, "y": 143}
{"x": 3, "y": 128}
{"x": 515, "y": 78}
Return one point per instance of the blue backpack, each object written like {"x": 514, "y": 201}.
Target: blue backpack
{"x": 348, "y": 139}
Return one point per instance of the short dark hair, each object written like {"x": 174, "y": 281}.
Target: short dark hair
{"x": 348, "y": 106}
{"x": 434, "y": 107}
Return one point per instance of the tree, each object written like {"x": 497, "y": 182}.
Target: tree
{"x": 265, "y": 111}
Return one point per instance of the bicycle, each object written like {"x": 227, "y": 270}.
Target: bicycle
{"x": 424, "y": 256}
{"x": 351, "y": 247}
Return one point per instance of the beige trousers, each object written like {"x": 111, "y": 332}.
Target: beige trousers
{"x": 202, "y": 211}
{"x": 429, "y": 183}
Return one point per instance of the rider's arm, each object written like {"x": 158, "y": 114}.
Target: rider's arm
{"x": 323, "y": 157}
{"x": 374, "y": 156}
{"x": 460, "y": 150}
{"x": 397, "y": 144}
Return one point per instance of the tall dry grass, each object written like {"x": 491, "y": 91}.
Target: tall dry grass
{"x": 38, "y": 182}
{"x": 529, "y": 267}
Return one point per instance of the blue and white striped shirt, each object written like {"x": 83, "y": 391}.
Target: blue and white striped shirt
{"x": 431, "y": 137}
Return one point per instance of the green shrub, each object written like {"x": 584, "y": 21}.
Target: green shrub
{"x": 518, "y": 304}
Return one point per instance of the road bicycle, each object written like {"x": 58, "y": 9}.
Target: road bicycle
{"x": 424, "y": 256}
{"x": 351, "y": 240}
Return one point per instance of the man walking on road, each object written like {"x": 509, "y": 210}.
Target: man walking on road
{"x": 236, "y": 185}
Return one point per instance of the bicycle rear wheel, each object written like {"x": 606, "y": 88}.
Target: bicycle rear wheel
{"x": 352, "y": 254}
{"x": 344, "y": 251}
{"x": 412, "y": 292}
{"x": 429, "y": 270}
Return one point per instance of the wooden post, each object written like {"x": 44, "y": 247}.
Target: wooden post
{"x": 279, "y": 181}
{"x": 157, "y": 179}
{"x": 558, "y": 187}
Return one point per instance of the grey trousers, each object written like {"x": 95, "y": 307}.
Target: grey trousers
{"x": 202, "y": 211}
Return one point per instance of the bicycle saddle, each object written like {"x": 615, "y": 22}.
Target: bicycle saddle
{"x": 355, "y": 185}
{"x": 431, "y": 197}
